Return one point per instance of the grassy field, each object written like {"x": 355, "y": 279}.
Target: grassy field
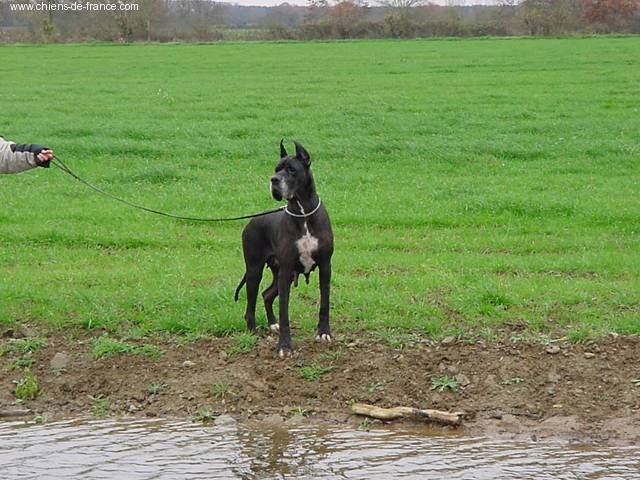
{"x": 473, "y": 184}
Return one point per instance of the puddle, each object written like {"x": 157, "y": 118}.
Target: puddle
{"x": 159, "y": 449}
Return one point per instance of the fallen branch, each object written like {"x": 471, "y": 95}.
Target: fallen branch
{"x": 439, "y": 416}
{"x": 14, "y": 412}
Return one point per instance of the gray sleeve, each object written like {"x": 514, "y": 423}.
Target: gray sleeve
{"x": 14, "y": 162}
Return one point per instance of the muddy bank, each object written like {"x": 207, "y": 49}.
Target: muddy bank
{"x": 582, "y": 392}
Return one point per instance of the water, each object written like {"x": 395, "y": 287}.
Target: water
{"x": 161, "y": 449}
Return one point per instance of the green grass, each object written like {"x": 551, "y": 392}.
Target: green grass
{"x": 364, "y": 425}
{"x": 472, "y": 184}
{"x": 513, "y": 381}
{"x": 394, "y": 338}
{"x": 445, "y": 383}
{"x": 242, "y": 342}
{"x": 375, "y": 386}
{"x": 313, "y": 372}
{"x": 23, "y": 350}
{"x": 40, "y": 419}
{"x": 99, "y": 405}
{"x": 154, "y": 388}
{"x": 332, "y": 356}
{"x": 27, "y": 386}
{"x": 25, "y": 361}
{"x": 105, "y": 346}
{"x": 204, "y": 414}
{"x": 220, "y": 389}
{"x": 23, "y": 346}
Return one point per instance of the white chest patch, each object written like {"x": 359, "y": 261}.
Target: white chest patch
{"x": 307, "y": 244}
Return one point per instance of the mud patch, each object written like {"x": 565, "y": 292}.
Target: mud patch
{"x": 584, "y": 392}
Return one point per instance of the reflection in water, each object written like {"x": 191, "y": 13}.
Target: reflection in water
{"x": 158, "y": 449}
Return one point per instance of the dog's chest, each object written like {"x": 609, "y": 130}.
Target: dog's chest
{"x": 307, "y": 244}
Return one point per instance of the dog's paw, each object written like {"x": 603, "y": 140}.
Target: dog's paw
{"x": 284, "y": 352}
{"x": 325, "y": 337}
{"x": 274, "y": 327}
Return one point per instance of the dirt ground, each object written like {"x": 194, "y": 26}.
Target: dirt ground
{"x": 577, "y": 392}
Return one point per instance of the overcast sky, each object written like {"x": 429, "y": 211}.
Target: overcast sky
{"x": 270, "y": 3}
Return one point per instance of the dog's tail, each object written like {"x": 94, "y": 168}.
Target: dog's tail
{"x": 239, "y": 287}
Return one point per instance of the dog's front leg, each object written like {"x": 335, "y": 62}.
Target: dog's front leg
{"x": 324, "y": 331}
{"x": 284, "y": 288}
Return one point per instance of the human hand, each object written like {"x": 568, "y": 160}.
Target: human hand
{"x": 45, "y": 155}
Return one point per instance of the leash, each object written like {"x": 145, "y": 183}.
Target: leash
{"x": 62, "y": 166}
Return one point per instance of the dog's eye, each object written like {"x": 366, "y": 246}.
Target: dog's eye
{"x": 291, "y": 170}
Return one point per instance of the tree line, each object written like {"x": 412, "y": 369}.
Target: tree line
{"x": 202, "y": 20}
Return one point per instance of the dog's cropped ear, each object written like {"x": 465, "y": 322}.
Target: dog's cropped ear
{"x": 302, "y": 154}
{"x": 283, "y": 151}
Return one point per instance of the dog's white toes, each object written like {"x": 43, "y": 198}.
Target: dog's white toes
{"x": 283, "y": 353}
{"x": 323, "y": 338}
{"x": 274, "y": 327}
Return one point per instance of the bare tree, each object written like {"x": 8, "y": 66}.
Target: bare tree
{"x": 345, "y": 15}
{"x": 613, "y": 15}
{"x": 546, "y": 17}
{"x": 398, "y": 21}
{"x": 316, "y": 9}
{"x": 200, "y": 17}
{"x": 317, "y": 4}
{"x": 401, "y": 4}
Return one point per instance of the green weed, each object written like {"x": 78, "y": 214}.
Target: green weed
{"x": 220, "y": 389}
{"x": 364, "y": 425}
{"x": 331, "y": 357}
{"x": 396, "y": 338}
{"x": 301, "y": 411}
{"x": 27, "y": 386}
{"x": 513, "y": 381}
{"x": 99, "y": 405}
{"x": 146, "y": 350}
{"x": 204, "y": 414}
{"x": 242, "y": 343}
{"x": 25, "y": 361}
{"x": 375, "y": 387}
{"x": 445, "y": 383}
{"x": 154, "y": 388}
{"x": 40, "y": 419}
{"x": 313, "y": 372}
{"x": 105, "y": 346}
{"x": 23, "y": 346}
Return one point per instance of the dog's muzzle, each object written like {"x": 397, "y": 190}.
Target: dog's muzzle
{"x": 276, "y": 191}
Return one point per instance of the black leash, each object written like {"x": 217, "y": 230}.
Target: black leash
{"x": 61, "y": 165}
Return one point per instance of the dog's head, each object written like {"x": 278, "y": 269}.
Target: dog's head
{"x": 292, "y": 173}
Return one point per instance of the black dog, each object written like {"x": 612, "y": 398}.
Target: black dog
{"x": 290, "y": 242}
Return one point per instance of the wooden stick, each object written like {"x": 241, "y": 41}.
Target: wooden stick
{"x": 14, "y": 412}
{"x": 439, "y": 416}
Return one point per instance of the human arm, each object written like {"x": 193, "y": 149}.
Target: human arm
{"x": 15, "y": 158}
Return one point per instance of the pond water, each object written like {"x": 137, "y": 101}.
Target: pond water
{"x": 164, "y": 449}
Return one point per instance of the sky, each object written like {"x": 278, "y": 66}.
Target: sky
{"x": 270, "y": 3}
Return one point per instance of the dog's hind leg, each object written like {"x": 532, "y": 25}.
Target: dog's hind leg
{"x": 269, "y": 295}
{"x": 253, "y": 277}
